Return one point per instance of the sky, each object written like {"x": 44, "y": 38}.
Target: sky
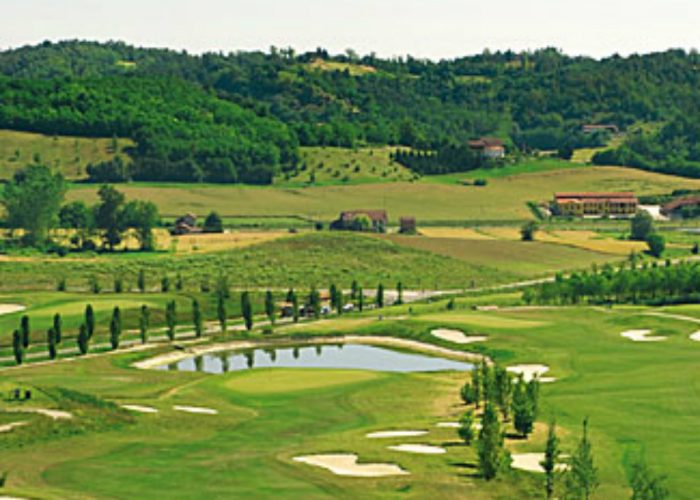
{"x": 431, "y": 29}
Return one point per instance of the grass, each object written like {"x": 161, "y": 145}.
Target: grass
{"x": 69, "y": 155}
{"x": 353, "y": 69}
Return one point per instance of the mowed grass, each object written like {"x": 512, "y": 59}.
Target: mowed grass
{"x": 69, "y": 155}
{"x": 524, "y": 259}
{"x": 338, "y": 166}
{"x": 503, "y": 199}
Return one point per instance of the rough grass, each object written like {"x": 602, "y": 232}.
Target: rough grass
{"x": 353, "y": 69}
{"x": 503, "y": 199}
{"x": 70, "y": 155}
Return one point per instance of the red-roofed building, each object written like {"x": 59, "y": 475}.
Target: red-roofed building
{"x": 595, "y": 204}
{"x": 489, "y": 147}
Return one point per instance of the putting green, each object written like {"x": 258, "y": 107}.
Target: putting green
{"x": 271, "y": 381}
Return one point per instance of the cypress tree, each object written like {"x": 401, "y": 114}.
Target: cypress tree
{"x": 380, "y": 296}
{"x": 118, "y": 285}
{"x": 295, "y": 306}
{"x": 170, "y": 319}
{"x": 83, "y": 339}
{"x": 353, "y": 290}
{"x": 90, "y": 320}
{"x": 270, "y": 306}
{"x": 51, "y": 342}
{"x": 17, "y": 348}
{"x": 399, "y": 293}
{"x": 197, "y": 318}
{"x": 360, "y": 299}
{"x": 582, "y": 478}
{"x": 551, "y": 455}
{"x": 315, "y": 302}
{"x": 58, "y": 327}
{"x": 141, "y": 281}
{"x": 247, "y": 310}
{"x": 333, "y": 292}
{"x": 221, "y": 311}
{"x": 179, "y": 284}
{"x": 165, "y": 284}
{"x": 115, "y": 328}
{"x": 24, "y": 330}
{"x": 144, "y": 320}
{"x": 503, "y": 386}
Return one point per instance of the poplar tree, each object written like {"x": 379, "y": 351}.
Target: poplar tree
{"x": 551, "y": 456}
{"x": 51, "y": 342}
{"x": 295, "y": 306}
{"x": 476, "y": 385}
{"x": 503, "y": 385}
{"x": 170, "y": 319}
{"x": 197, "y": 318}
{"x": 315, "y": 302}
{"x": 270, "y": 306}
{"x": 58, "y": 327}
{"x": 466, "y": 428}
{"x": 582, "y": 478}
{"x": 90, "y": 320}
{"x": 492, "y": 456}
{"x": 523, "y": 408}
{"x": 247, "y": 310}
{"x": 17, "y": 348}
{"x": 115, "y": 328}
{"x": 83, "y": 339}
{"x": 221, "y": 311}
{"x": 144, "y": 320}
{"x": 24, "y": 330}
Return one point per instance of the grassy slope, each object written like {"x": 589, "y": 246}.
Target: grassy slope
{"x": 68, "y": 154}
{"x": 503, "y": 199}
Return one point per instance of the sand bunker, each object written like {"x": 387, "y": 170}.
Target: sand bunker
{"x": 641, "y": 336}
{"x": 530, "y": 372}
{"x": 346, "y": 465}
{"x": 456, "y": 336}
{"x": 448, "y": 425}
{"x": 54, "y": 414}
{"x": 12, "y": 425}
{"x": 196, "y": 409}
{"x": 10, "y": 308}
{"x": 395, "y": 434}
{"x": 531, "y": 462}
{"x": 140, "y": 408}
{"x": 695, "y": 337}
{"x": 423, "y": 449}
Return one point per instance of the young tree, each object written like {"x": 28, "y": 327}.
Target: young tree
{"x": 333, "y": 292}
{"x": 17, "y": 347}
{"x": 108, "y": 216}
{"x": 360, "y": 299}
{"x": 466, "y": 427}
{"x": 144, "y": 320}
{"x": 523, "y": 410}
{"x": 656, "y": 244}
{"x": 503, "y": 385}
{"x": 294, "y": 299}
{"x": 399, "y": 293}
{"x": 165, "y": 284}
{"x": 533, "y": 394}
{"x": 179, "y": 283}
{"x": 32, "y": 199}
{"x": 24, "y": 329}
{"x": 551, "y": 456}
{"x": 641, "y": 226}
{"x": 197, "y": 318}
{"x": 118, "y": 284}
{"x": 247, "y": 310}
{"x": 353, "y": 290}
{"x": 89, "y": 321}
{"x": 213, "y": 223}
{"x": 582, "y": 478}
{"x": 143, "y": 217}
{"x": 58, "y": 327}
{"x": 528, "y": 231}
{"x": 646, "y": 485}
{"x": 221, "y": 311}
{"x": 222, "y": 287}
{"x": 83, "y": 339}
{"x": 115, "y": 328}
{"x": 315, "y": 302}
{"x": 492, "y": 456}
{"x": 270, "y": 306}
{"x": 141, "y": 281}
{"x": 95, "y": 286}
{"x": 171, "y": 319}
{"x": 477, "y": 385}
{"x": 467, "y": 394}
{"x": 51, "y": 342}
{"x": 379, "y": 299}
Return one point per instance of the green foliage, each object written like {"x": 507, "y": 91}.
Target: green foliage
{"x": 58, "y": 327}
{"x": 171, "y": 319}
{"x": 270, "y": 306}
{"x": 25, "y": 330}
{"x": 551, "y": 456}
{"x": 466, "y": 428}
{"x": 646, "y": 485}
{"x": 468, "y": 394}
{"x": 32, "y": 200}
{"x": 213, "y": 223}
{"x": 493, "y": 458}
{"x": 657, "y": 244}
{"x": 197, "y": 318}
{"x": 528, "y": 230}
{"x": 89, "y": 320}
{"x": 582, "y": 478}
{"x": 83, "y": 340}
{"x": 379, "y": 299}
{"x": 17, "y": 347}
{"x": 247, "y": 310}
{"x": 221, "y": 311}
{"x": 641, "y": 226}
{"x": 523, "y": 409}
{"x": 144, "y": 320}
{"x": 315, "y": 302}
{"x": 115, "y": 328}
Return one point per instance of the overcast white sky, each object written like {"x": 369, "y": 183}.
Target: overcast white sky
{"x": 423, "y": 28}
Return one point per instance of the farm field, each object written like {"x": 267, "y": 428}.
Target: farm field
{"x": 503, "y": 199}
{"x": 69, "y": 155}
{"x": 596, "y": 369}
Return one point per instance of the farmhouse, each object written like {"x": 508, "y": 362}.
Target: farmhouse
{"x": 407, "y": 225}
{"x": 361, "y": 220}
{"x": 187, "y": 224}
{"x": 595, "y": 204}
{"x": 489, "y": 147}
{"x": 686, "y": 207}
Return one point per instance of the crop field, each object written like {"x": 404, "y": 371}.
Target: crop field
{"x": 266, "y": 417}
{"x": 70, "y": 155}
{"x": 503, "y": 199}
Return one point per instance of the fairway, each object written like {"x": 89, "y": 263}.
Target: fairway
{"x": 503, "y": 199}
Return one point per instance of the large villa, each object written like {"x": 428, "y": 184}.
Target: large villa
{"x": 595, "y": 204}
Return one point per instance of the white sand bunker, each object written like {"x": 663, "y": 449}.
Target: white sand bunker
{"x": 456, "y": 336}
{"x": 695, "y": 337}
{"x": 140, "y": 408}
{"x": 12, "y": 425}
{"x": 54, "y": 414}
{"x": 448, "y": 425}
{"x": 423, "y": 449}
{"x": 10, "y": 308}
{"x": 345, "y": 464}
{"x": 395, "y": 434}
{"x": 196, "y": 409}
{"x": 530, "y": 372}
{"x": 641, "y": 336}
{"x": 531, "y": 462}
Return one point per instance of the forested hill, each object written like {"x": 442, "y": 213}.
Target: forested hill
{"x": 535, "y": 100}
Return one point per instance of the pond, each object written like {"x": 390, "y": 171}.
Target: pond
{"x": 351, "y": 356}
